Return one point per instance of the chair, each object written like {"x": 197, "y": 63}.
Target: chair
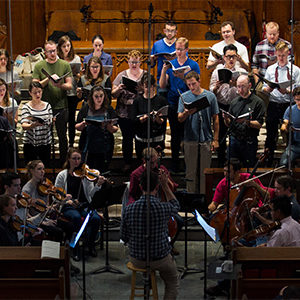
{"x": 134, "y": 269}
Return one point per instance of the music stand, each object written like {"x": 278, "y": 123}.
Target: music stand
{"x": 213, "y": 233}
{"x": 108, "y": 195}
{"x": 188, "y": 203}
{"x": 73, "y": 243}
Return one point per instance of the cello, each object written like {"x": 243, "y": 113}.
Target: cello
{"x": 241, "y": 200}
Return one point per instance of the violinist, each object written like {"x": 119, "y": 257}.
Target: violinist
{"x": 11, "y": 183}
{"x": 36, "y": 171}
{"x": 236, "y": 176}
{"x": 289, "y": 233}
{"x": 284, "y": 186}
{"x": 8, "y": 207}
{"x": 135, "y": 191}
{"x": 79, "y": 195}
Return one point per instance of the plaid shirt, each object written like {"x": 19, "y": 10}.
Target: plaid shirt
{"x": 264, "y": 47}
{"x": 133, "y": 227}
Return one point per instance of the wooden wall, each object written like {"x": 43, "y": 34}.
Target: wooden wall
{"x": 29, "y": 19}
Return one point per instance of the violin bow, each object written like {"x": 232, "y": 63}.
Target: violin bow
{"x": 253, "y": 178}
{"x": 268, "y": 187}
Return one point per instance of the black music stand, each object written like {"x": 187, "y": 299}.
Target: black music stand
{"x": 188, "y": 203}
{"x": 108, "y": 195}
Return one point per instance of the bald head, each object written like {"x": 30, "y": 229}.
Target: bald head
{"x": 243, "y": 85}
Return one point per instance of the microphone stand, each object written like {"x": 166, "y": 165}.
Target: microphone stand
{"x": 147, "y": 277}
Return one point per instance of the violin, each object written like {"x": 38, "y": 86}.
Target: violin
{"x": 90, "y": 174}
{"x": 17, "y": 224}
{"x": 259, "y": 231}
{"x": 47, "y": 188}
{"x": 25, "y": 201}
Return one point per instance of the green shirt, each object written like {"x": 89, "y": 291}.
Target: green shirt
{"x": 55, "y": 96}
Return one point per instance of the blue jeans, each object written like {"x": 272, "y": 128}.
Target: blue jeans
{"x": 245, "y": 151}
{"x": 295, "y": 153}
{"x": 76, "y": 216}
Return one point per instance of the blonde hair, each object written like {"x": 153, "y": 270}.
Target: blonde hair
{"x": 134, "y": 53}
{"x": 31, "y": 166}
{"x": 272, "y": 25}
{"x": 184, "y": 41}
{"x": 281, "y": 46}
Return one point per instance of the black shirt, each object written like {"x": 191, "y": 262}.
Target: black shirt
{"x": 8, "y": 236}
{"x": 240, "y": 106}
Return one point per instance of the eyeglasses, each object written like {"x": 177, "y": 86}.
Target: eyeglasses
{"x": 231, "y": 56}
{"x": 51, "y": 51}
{"x": 98, "y": 97}
{"x": 95, "y": 67}
{"x": 134, "y": 62}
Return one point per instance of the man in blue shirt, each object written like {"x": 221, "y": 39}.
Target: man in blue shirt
{"x": 133, "y": 230}
{"x": 165, "y": 45}
{"x": 295, "y": 146}
{"x": 174, "y": 80}
{"x": 199, "y": 140}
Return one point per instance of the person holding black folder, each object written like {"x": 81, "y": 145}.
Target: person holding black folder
{"x": 244, "y": 131}
{"x": 96, "y": 122}
{"x": 225, "y": 91}
{"x": 198, "y": 132}
{"x": 125, "y": 88}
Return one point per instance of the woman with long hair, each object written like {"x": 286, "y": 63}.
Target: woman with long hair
{"x": 66, "y": 52}
{"x": 125, "y": 100}
{"x": 94, "y": 75}
{"x": 36, "y": 122}
{"x": 79, "y": 195}
{"x": 95, "y": 121}
{"x": 9, "y": 105}
{"x": 6, "y": 71}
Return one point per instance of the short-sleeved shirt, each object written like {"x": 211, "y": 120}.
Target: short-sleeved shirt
{"x": 176, "y": 83}
{"x": 242, "y": 51}
{"x": 161, "y": 47}
{"x": 55, "y": 96}
{"x": 197, "y": 127}
{"x": 241, "y": 106}
{"x": 295, "y": 121}
{"x": 105, "y": 58}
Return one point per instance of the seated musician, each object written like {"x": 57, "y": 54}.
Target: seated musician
{"x": 133, "y": 227}
{"x": 236, "y": 177}
{"x": 289, "y": 233}
{"x": 36, "y": 171}
{"x": 79, "y": 195}
{"x": 135, "y": 191}
{"x": 284, "y": 186}
{"x": 11, "y": 183}
{"x": 8, "y": 207}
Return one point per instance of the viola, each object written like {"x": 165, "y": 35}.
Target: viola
{"x": 47, "y": 188}
{"x": 17, "y": 224}
{"x": 24, "y": 200}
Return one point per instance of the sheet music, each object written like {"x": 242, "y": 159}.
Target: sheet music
{"x": 212, "y": 232}
{"x": 50, "y": 249}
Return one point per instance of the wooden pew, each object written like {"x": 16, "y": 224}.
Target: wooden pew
{"x": 264, "y": 271}
{"x": 214, "y": 175}
{"x": 24, "y": 275}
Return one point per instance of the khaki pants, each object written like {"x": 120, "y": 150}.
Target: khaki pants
{"x": 195, "y": 166}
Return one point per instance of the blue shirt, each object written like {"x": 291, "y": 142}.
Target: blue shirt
{"x": 161, "y": 47}
{"x": 177, "y": 83}
{"x": 197, "y": 127}
{"x": 133, "y": 227}
{"x": 295, "y": 121}
{"x": 105, "y": 59}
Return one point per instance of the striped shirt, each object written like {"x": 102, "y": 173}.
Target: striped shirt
{"x": 133, "y": 227}
{"x": 264, "y": 48}
{"x": 40, "y": 135}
